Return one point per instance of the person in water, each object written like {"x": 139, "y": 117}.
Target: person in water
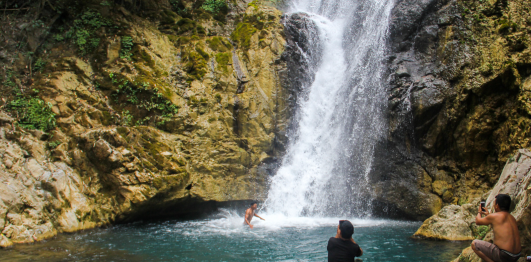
{"x": 250, "y": 213}
{"x": 342, "y": 247}
{"x": 506, "y": 247}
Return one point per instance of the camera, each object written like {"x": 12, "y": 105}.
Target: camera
{"x": 482, "y": 203}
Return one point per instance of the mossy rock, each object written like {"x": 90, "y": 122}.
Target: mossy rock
{"x": 223, "y": 60}
{"x": 196, "y": 65}
{"x": 242, "y": 35}
{"x": 219, "y": 44}
{"x": 167, "y": 17}
{"x": 200, "y": 30}
{"x": 185, "y": 25}
{"x": 202, "y": 52}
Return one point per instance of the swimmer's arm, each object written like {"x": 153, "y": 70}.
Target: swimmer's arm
{"x": 258, "y": 216}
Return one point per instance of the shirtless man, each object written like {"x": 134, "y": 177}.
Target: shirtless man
{"x": 506, "y": 247}
{"x": 249, "y": 213}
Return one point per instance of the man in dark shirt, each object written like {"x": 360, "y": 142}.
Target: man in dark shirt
{"x": 342, "y": 247}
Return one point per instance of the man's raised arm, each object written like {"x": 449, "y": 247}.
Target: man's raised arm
{"x": 361, "y": 250}
{"x": 483, "y": 221}
{"x": 258, "y": 216}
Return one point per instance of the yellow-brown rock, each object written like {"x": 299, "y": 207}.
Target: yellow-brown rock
{"x": 189, "y": 118}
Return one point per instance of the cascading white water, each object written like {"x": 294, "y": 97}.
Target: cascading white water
{"x": 341, "y": 114}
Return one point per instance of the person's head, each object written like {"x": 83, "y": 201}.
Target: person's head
{"x": 502, "y": 202}
{"x": 346, "y": 229}
{"x": 254, "y": 205}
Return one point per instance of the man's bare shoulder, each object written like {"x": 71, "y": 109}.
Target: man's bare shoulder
{"x": 501, "y": 217}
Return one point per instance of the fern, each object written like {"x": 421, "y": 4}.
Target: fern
{"x": 33, "y": 113}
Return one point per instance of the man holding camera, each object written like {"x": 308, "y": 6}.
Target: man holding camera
{"x": 342, "y": 247}
{"x": 506, "y": 247}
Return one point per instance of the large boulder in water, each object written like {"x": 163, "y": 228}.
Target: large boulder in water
{"x": 453, "y": 222}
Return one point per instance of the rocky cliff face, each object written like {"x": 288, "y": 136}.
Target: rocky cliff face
{"x": 114, "y": 112}
{"x": 458, "y": 102}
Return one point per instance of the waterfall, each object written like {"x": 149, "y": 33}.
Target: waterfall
{"x": 341, "y": 111}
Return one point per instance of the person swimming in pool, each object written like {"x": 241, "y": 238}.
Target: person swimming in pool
{"x": 250, "y": 213}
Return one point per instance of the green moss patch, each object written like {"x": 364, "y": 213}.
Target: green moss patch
{"x": 195, "y": 64}
{"x": 223, "y": 60}
{"x": 218, "y": 44}
{"x": 185, "y": 25}
{"x": 242, "y": 35}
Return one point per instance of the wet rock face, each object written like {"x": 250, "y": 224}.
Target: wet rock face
{"x": 302, "y": 55}
{"x": 456, "y": 86}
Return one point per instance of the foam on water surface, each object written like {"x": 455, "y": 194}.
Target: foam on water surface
{"x": 230, "y": 222}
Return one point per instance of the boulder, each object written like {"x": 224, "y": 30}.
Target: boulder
{"x": 453, "y": 222}
{"x": 102, "y": 149}
{"x": 5, "y": 242}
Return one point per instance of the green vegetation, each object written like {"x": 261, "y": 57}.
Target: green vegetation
{"x": 185, "y": 25}
{"x": 39, "y": 65}
{"x": 214, "y": 6}
{"x": 53, "y": 144}
{"x": 33, "y": 113}
{"x": 126, "y": 118}
{"x": 178, "y": 7}
{"x": 30, "y": 113}
{"x": 196, "y": 63}
{"x": 219, "y": 44}
{"x": 507, "y": 26}
{"x": 127, "y": 45}
{"x": 482, "y": 231}
{"x": 242, "y": 35}
{"x": 222, "y": 60}
{"x": 83, "y": 32}
{"x": 144, "y": 101}
{"x": 8, "y": 80}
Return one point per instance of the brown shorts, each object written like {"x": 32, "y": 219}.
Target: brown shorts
{"x": 493, "y": 252}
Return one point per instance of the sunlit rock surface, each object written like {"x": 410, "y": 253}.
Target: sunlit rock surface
{"x": 113, "y": 159}
{"x": 453, "y": 222}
